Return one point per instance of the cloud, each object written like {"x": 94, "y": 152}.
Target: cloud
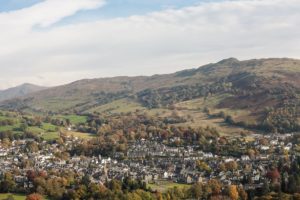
{"x": 158, "y": 42}
{"x": 47, "y": 12}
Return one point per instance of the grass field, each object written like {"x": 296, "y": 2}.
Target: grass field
{"x": 54, "y": 104}
{"x": 195, "y": 109}
{"x": 50, "y": 136}
{"x": 119, "y": 106}
{"x": 15, "y": 196}
{"x": 201, "y": 119}
{"x": 4, "y": 117}
{"x": 192, "y": 108}
{"x": 7, "y": 128}
{"x": 127, "y": 105}
{"x": 79, "y": 134}
{"x": 165, "y": 185}
{"x": 49, "y": 127}
{"x": 47, "y": 131}
{"x": 35, "y": 130}
{"x": 74, "y": 119}
{"x": 201, "y": 103}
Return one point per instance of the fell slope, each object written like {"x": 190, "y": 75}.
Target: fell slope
{"x": 19, "y": 91}
{"x": 267, "y": 89}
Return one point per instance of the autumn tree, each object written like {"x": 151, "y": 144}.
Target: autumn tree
{"x": 196, "y": 191}
{"x": 222, "y": 167}
{"x": 215, "y": 186}
{"x": 274, "y": 175}
{"x": 232, "y": 165}
{"x": 242, "y": 193}
{"x": 233, "y": 192}
{"x": 31, "y": 175}
{"x": 34, "y": 196}
{"x": 32, "y": 146}
{"x": 251, "y": 153}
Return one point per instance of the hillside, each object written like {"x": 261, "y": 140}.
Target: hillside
{"x": 257, "y": 94}
{"x": 19, "y": 91}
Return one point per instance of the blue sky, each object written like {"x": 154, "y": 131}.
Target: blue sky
{"x": 113, "y": 8}
{"x": 10, "y": 5}
{"x": 122, "y": 8}
{"x": 125, "y": 8}
{"x": 53, "y": 42}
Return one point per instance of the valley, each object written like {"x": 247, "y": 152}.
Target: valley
{"x": 231, "y": 123}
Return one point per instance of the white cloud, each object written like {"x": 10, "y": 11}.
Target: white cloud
{"x": 47, "y": 12}
{"x": 159, "y": 42}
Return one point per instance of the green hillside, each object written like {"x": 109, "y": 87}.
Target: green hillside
{"x": 254, "y": 94}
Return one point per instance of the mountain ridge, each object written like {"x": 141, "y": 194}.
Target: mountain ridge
{"x": 19, "y": 91}
{"x": 249, "y": 85}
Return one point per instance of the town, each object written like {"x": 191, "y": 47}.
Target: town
{"x": 151, "y": 161}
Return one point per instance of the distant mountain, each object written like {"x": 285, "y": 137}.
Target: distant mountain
{"x": 266, "y": 91}
{"x": 19, "y": 91}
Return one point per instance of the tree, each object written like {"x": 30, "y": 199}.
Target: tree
{"x": 31, "y": 175}
{"x": 251, "y": 153}
{"x": 8, "y": 184}
{"x": 68, "y": 122}
{"x": 82, "y": 192}
{"x": 292, "y": 184}
{"x": 222, "y": 167}
{"x": 232, "y": 165}
{"x": 114, "y": 185}
{"x": 40, "y": 184}
{"x": 144, "y": 195}
{"x": 266, "y": 187}
{"x": 32, "y": 146}
{"x": 6, "y": 143}
{"x": 229, "y": 119}
{"x": 233, "y": 192}
{"x": 215, "y": 186}
{"x": 274, "y": 175}
{"x": 133, "y": 196}
{"x": 196, "y": 191}
{"x": 243, "y": 194}
{"x": 159, "y": 196}
{"x": 202, "y": 166}
{"x": 34, "y": 196}
{"x": 55, "y": 187}
{"x": 23, "y": 127}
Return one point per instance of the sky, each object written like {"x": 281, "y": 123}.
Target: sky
{"x": 53, "y": 42}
